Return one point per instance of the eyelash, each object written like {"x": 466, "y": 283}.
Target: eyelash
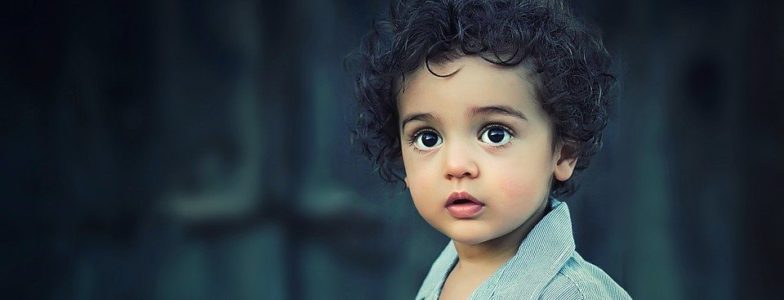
{"x": 508, "y": 130}
{"x": 412, "y": 138}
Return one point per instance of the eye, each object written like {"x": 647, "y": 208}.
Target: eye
{"x": 496, "y": 135}
{"x": 426, "y": 140}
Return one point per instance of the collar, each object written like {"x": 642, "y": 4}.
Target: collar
{"x": 538, "y": 259}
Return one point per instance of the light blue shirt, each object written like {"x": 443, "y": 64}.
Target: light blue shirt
{"x": 546, "y": 266}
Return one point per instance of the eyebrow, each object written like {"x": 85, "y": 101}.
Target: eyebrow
{"x": 498, "y": 109}
{"x": 416, "y": 117}
{"x": 484, "y": 110}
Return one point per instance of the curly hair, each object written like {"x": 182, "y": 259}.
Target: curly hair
{"x": 566, "y": 56}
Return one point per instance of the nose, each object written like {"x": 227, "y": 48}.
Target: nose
{"x": 459, "y": 162}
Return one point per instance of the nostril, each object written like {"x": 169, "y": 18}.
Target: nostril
{"x": 461, "y": 169}
{"x": 459, "y": 175}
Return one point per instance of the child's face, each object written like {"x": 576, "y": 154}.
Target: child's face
{"x": 479, "y": 131}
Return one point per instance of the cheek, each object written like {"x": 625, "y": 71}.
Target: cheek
{"x": 524, "y": 188}
{"x": 420, "y": 184}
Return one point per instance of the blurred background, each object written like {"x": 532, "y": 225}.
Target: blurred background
{"x": 200, "y": 150}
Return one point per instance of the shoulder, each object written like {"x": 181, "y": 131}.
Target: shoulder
{"x": 438, "y": 272}
{"x": 579, "y": 279}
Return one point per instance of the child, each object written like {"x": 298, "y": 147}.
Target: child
{"x": 489, "y": 108}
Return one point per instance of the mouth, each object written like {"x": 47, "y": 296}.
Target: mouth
{"x": 462, "y": 205}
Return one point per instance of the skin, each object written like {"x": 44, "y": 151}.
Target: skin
{"x": 511, "y": 177}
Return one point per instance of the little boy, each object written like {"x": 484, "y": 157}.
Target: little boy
{"x": 489, "y": 108}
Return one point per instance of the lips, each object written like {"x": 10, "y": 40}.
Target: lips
{"x": 462, "y": 205}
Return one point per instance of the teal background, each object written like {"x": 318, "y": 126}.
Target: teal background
{"x": 200, "y": 150}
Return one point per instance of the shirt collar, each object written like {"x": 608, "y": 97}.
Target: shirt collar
{"x": 538, "y": 259}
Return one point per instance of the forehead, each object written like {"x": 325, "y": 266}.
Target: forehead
{"x": 474, "y": 82}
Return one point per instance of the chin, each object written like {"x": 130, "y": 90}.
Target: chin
{"x": 469, "y": 239}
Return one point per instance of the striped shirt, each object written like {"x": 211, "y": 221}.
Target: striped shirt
{"x": 546, "y": 266}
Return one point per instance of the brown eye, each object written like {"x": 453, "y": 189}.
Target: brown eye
{"x": 426, "y": 140}
{"x": 496, "y": 135}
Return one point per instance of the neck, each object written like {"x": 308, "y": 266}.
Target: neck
{"x": 488, "y": 256}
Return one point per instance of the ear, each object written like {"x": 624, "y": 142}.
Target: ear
{"x": 405, "y": 179}
{"x": 565, "y": 161}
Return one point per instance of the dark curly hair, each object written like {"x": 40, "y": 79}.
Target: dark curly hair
{"x": 567, "y": 58}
